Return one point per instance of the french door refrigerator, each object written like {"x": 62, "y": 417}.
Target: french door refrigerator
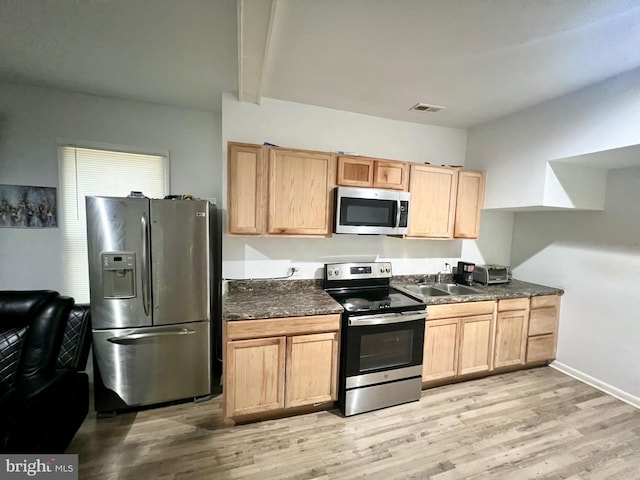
{"x": 150, "y": 277}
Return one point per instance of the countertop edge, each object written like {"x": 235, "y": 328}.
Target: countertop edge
{"x": 266, "y": 304}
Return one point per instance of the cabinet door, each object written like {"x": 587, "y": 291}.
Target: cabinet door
{"x": 254, "y": 375}
{"x": 246, "y": 189}
{"x": 475, "y": 344}
{"x": 355, "y": 171}
{"x": 469, "y": 203}
{"x": 440, "y": 349}
{"x": 312, "y": 369}
{"x": 390, "y": 174}
{"x": 433, "y": 193}
{"x": 300, "y": 192}
{"x": 511, "y": 338}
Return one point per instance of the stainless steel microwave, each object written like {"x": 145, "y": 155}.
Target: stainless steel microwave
{"x": 371, "y": 211}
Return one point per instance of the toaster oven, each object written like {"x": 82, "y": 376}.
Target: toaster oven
{"x": 491, "y": 274}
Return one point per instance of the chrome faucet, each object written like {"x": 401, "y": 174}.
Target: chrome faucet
{"x": 443, "y": 274}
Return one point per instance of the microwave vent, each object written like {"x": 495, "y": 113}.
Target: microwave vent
{"x": 426, "y": 107}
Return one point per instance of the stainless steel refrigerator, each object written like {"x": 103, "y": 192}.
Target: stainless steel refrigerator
{"x": 151, "y": 271}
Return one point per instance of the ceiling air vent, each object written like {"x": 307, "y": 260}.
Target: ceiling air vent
{"x": 425, "y": 107}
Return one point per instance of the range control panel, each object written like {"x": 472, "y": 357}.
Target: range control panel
{"x": 356, "y": 271}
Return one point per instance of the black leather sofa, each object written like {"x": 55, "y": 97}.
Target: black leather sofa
{"x": 44, "y": 393}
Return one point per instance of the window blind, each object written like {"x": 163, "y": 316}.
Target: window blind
{"x": 85, "y": 171}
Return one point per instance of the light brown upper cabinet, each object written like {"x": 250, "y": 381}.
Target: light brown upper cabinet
{"x": 355, "y": 171}
{"x": 246, "y": 189}
{"x": 390, "y": 174}
{"x": 300, "y": 192}
{"x": 433, "y": 194}
{"x": 469, "y": 202}
{"x": 279, "y": 191}
{"x": 445, "y": 201}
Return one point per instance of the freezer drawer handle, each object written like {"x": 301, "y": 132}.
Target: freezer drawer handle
{"x": 128, "y": 339}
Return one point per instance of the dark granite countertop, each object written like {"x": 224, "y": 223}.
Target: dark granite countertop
{"x": 513, "y": 289}
{"x": 254, "y": 299}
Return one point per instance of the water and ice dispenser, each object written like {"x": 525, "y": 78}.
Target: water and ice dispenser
{"x": 119, "y": 274}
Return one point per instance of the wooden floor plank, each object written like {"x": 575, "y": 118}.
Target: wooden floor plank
{"x": 535, "y": 423}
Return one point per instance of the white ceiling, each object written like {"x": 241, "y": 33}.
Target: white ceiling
{"x": 481, "y": 59}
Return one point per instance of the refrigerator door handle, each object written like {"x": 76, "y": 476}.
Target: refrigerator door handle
{"x": 146, "y": 274}
{"x": 129, "y": 339}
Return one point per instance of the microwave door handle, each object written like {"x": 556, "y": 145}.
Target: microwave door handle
{"x": 398, "y": 212}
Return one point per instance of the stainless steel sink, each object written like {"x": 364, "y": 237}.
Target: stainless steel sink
{"x": 426, "y": 290}
{"x": 454, "y": 289}
{"x": 440, "y": 289}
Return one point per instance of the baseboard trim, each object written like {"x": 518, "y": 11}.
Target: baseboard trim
{"x": 595, "y": 383}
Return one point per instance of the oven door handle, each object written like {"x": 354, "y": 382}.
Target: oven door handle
{"x": 385, "y": 318}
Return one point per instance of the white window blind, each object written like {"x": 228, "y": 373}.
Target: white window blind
{"x": 84, "y": 172}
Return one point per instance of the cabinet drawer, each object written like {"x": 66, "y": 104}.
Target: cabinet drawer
{"x": 543, "y": 320}
{"x": 273, "y": 327}
{"x": 545, "y": 301}
{"x": 513, "y": 304}
{"x": 459, "y": 309}
{"x": 540, "y": 348}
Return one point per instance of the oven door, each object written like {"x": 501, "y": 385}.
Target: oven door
{"x": 383, "y": 348}
{"x": 368, "y": 211}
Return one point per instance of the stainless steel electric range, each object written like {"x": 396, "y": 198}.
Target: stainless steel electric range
{"x": 382, "y": 337}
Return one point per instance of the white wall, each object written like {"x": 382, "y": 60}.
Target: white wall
{"x": 574, "y": 186}
{"x": 514, "y": 150}
{"x": 594, "y": 256}
{"x": 31, "y": 122}
{"x": 304, "y": 126}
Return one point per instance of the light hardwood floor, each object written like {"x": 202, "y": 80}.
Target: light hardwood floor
{"x": 529, "y": 424}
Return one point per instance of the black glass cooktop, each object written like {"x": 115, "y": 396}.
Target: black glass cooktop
{"x": 375, "y": 299}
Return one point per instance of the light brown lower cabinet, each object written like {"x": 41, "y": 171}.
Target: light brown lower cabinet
{"x": 511, "y": 332}
{"x": 440, "y": 349}
{"x": 254, "y": 380}
{"x": 312, "y": 369}
{"x": 458, "y": 340}
{"x": 293, "y": 363}
{"x": 475, "y": 344}
{"x": 474, "y": 337}
{"x": 543, "y": 328}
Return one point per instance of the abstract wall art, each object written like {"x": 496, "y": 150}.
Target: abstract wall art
{"x": 23, "y": 206}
